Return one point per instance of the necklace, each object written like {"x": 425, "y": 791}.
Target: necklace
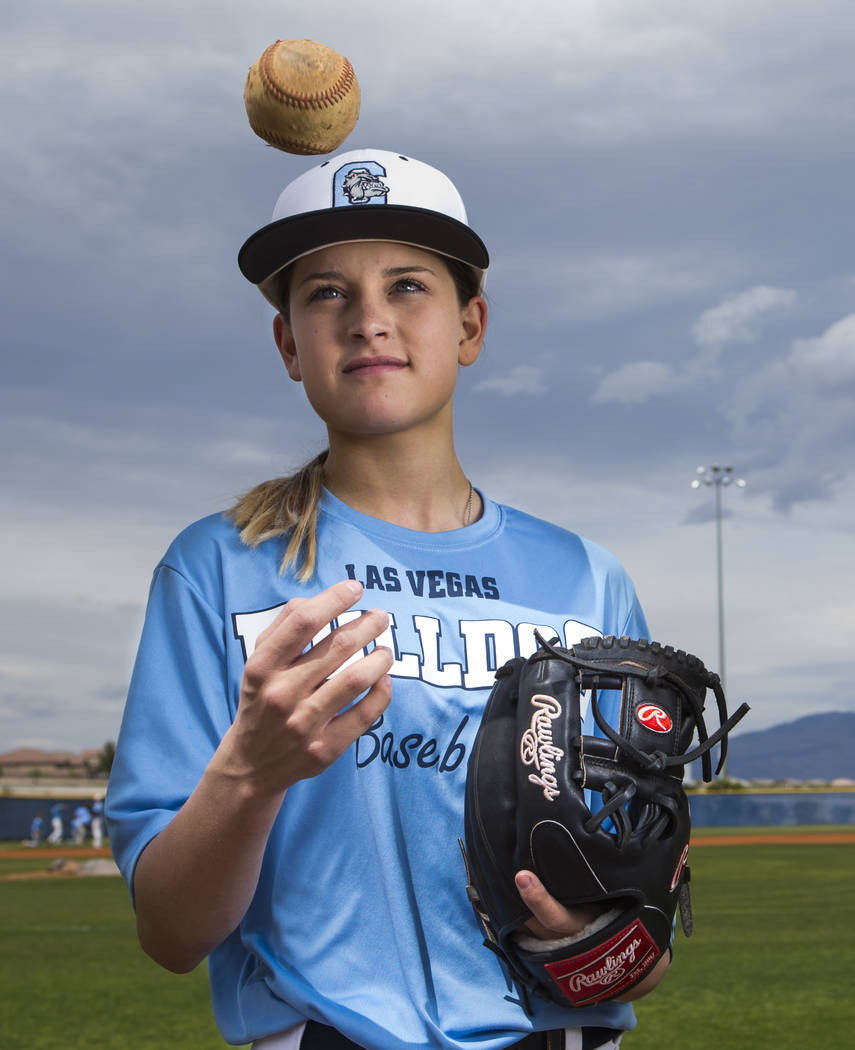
{"x": 467, "y": 518}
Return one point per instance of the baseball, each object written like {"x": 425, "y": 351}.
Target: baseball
{"x": 302, "y": 97}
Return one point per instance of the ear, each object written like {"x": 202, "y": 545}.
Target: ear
{"x": 473, "y": 327}
{"x": 285, "y": 345}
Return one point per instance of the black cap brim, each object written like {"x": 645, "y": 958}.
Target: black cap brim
{"x": 281, "y": 242}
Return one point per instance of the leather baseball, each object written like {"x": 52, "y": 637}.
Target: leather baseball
{"x": 302, "y": 97}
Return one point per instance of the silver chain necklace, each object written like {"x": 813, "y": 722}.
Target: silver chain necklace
{"x": 467, "y": 518}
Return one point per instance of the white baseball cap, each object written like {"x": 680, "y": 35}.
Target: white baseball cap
{"x": 362, "y": 195}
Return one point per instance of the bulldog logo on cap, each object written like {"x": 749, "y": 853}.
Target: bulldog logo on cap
{"x": 359, "y": 182}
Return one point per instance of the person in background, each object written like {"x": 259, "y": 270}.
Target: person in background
{"x": 57, "y": 811}
{"x": 37, "y": 830}
{"x": 80, "y": 825}
{"x": 97, "y": 823}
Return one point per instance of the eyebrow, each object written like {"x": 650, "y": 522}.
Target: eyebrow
{"x": 392, "y": 271}
{"x": 397, "y": 271}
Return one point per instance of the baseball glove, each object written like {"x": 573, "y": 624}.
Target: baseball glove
{"x": 602, "y": 820}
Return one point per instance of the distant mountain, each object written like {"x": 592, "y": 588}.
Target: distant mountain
{"x": 816, "y": 747}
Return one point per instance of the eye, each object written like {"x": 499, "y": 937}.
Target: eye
{"x": 409, "y": 284}
{"x": 323, "y": 291}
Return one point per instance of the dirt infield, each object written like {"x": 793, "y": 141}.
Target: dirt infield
{"x": 53, "y": 873}
{"x": 70, "y": 852}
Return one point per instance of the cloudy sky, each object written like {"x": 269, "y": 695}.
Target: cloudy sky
{"x": 666, "y": 190}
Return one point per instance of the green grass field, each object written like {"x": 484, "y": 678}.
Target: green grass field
{"x": 764, "y": 832}
{"x": 770, "y": 966}
{"x": 72, "y": 976}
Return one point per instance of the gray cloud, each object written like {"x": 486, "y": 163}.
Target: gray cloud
{"x": 829, "y": 358}
{"x": 519, "y": 380}
{"x": 736, "y": 317}
{"x": 631, "y": 169}
{"x": 797, "y": 416}
{"x": 637, "y": 382}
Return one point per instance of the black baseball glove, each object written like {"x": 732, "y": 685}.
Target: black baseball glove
{"x": 603, "y": 821}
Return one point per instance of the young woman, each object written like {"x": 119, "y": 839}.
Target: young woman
{"x": 288, "y": 786}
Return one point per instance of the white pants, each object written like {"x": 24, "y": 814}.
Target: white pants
{"x": 290, "y": 1040}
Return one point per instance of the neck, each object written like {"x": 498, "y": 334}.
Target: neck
{"x": 392, "y": 478}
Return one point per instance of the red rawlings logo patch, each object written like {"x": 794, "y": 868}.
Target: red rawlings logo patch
{"x": 654, "y": 718}
{"x": 607, "y": 970}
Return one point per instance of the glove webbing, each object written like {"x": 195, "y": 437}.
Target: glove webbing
{"x": 651, "y": 823}
{"x": 591, "y": 676}
{"x": 658, "y": 759}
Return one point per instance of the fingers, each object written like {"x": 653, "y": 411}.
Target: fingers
{"x": 547, "y": 914}
{"x": 333, "y": 655}
{"x": 341, "y": 731}
{"x": 287, "y": 642}
{"x": 301, "y": 705}
{"x": 320, "y": 703}
{"x": 550, "y": 919}
{"x": 321, "y": 728}
{"x": 302, "y": 619}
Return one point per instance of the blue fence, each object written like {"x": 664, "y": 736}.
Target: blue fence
{"x": 773, "y": 809}
{"x": 16, "y": 815}
{"x": 751, "y": 809}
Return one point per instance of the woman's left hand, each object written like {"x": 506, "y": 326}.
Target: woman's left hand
{"x": 551, "y": 921}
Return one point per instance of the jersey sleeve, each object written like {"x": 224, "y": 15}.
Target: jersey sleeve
{"x": 623, "y": 614}
{"x": 176, "y": 713}
{"x": 635, "y": 624}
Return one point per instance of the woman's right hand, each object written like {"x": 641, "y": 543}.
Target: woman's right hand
{"x": 295, "y": 715}
{"x": 194, "y": 881}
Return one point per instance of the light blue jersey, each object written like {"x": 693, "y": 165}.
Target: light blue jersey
{"x": 361, "y": 919}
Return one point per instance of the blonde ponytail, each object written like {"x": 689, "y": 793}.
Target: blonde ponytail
{"x": 285, "y": 506}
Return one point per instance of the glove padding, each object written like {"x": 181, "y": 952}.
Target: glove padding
{"x": 527, "y": 779}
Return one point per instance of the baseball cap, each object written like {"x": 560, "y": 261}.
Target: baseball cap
{"x": 362, "y": 195}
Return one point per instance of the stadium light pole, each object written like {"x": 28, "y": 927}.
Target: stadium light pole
{"x": 719, "y": 478}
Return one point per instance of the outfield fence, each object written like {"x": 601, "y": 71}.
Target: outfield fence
{"x": 17, "y": 813}
{"x": 772, "y": 809}
{"x": 709, "y": 810}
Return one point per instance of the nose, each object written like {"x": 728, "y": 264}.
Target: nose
{"x": 368, "y": 320}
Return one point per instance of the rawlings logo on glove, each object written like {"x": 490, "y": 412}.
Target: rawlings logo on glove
{"x": 537, "y": 748}
{"x": 608, "y": 969}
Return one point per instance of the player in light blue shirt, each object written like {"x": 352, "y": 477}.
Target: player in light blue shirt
{"x": 287, "y": 792}
{"x": 80, "y": 824}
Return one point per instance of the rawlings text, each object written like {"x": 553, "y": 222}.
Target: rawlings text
{"x": 537, "y": 748}
{"x": 614, "y": 968}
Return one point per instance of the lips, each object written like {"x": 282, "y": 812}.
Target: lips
{"x": 372, "y": 365}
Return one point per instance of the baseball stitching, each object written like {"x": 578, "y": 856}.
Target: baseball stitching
{"x": 319, "y": 100}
